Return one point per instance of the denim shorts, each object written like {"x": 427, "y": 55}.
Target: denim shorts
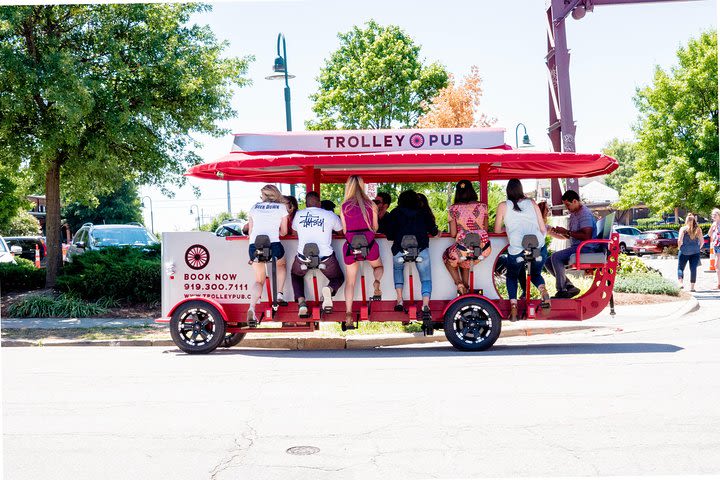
{"x": 276, "y": 250}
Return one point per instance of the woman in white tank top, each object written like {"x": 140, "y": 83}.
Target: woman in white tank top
{"x": 521, "y": 216}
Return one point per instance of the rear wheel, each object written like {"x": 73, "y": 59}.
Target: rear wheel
{"x": 472, "y": 324}
{"x": 197, "y": 327}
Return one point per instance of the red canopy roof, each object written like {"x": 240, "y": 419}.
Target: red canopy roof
{"x": 405, "y": 166}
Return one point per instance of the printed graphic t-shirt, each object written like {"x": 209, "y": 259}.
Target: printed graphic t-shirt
{"x": 267, "y": 218}
{"x": 315, "y": 225}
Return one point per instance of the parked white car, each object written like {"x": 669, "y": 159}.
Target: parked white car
{"x": 7, "y": 255}
{"x": 628, "y": 237}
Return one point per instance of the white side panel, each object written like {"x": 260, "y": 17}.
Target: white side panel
{"x": 225, "y": 276}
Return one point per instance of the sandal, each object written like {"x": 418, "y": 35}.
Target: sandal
{"x": 461, "y": 289}
{"x": 545, "y": 301}
{"x": 376, "y": 286}
{"x": 399, "y": 307}
{"x": 513, "y": 313}
{"x": 349, "y": 320}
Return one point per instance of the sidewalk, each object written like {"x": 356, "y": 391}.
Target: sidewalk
{"x": 145, "y": 332}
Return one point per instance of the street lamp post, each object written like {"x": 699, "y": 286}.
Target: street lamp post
{"x": 281, "y": 72}
{"x": 197, "y": 212}
{"x": 152, "y": 220}
{"x": 526, "y": 137}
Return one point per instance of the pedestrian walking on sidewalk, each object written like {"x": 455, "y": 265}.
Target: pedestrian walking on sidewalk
{"x": 715, "y": 241}
{"x": 689, "y": 244}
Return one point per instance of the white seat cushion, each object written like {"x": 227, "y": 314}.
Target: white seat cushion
{"x": 589, "y": 257}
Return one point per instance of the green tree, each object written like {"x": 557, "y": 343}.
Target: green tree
{"x": 677, "y": 164}
{"x": 97, "y": 94}
{"x": 221, "y": 217}
{"x": 12, "y": 196}
{"x": 21, "y": 225}
{"x": 625, "y": 153}
{"x": 120, "y": 206}
{"x": 374, "y": 80}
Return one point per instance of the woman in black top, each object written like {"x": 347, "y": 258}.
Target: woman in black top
{"x": 409, "y": 219}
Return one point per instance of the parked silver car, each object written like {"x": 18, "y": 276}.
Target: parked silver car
{"x": 7, "y": 255}
{"x": 628, "y": 237}
{"x": 94, "y": 237}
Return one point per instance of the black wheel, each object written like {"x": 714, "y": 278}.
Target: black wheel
{"x": 640, "y": 254}
{"x": 472, "y": 324}
{"x": 197, "y": 327}
{"x": 623, "y": 248}
{"x": 232, "y": 339}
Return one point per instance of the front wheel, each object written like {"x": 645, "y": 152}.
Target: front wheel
{"x": 624, "y": 249}
{"x": 197, "y": 327}
{"x": 472, "y": 324}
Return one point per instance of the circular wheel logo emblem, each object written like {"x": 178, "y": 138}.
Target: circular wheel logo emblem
{"x": 417, "y": 140}
{"x": 197, "y": 257}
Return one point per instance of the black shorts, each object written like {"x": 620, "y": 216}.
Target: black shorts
{"x": 276, "y": 250}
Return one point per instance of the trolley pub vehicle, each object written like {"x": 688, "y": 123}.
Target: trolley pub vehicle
{"x": 206, "y": 279}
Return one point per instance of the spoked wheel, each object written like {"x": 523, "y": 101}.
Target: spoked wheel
{"x": 232, "y": 339}
{"x": 197, "y": 327}
{"x": 472, "y": 324}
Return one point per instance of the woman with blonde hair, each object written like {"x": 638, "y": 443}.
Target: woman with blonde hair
{"x": 689, "y": 244}
{"x": 359, "y": 215}
{"x": 267, "y": 217}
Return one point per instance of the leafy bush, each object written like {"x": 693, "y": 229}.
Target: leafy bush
{"x": 647, "y": 283}
{"x": 45, "y": 306}
{"x": 644, "y": 228}
{"x": 671, "y": 251}
{"x": 23, "y": 276}
{"x": 644, "y": 222}
{"x": 629, "y": 265}
{"x": 120, "y": 273}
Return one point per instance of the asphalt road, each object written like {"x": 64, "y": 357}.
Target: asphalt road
{"x": 642, "y": 399}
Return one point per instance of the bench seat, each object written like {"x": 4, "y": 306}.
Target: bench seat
{"x": 589, "y": 258}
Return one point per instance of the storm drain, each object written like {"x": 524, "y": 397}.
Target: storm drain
{"x": 302, "y": 450}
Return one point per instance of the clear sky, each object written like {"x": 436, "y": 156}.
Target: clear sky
{"x": 613, "y": 50}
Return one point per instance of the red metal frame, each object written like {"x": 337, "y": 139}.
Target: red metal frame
{"x": 313, "y": 169}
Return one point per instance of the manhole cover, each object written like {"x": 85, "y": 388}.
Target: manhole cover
{"x": 302, "y": 450}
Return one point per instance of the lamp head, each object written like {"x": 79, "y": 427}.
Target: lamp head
{"x": 279, "y": 66}
{"x": 579, "y": 12}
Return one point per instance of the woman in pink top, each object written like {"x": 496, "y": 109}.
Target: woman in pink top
{"x": 466, "y": 215}
{"x": 359, "y": 215}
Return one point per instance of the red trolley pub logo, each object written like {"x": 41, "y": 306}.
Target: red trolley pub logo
{"x": 197, "y": 257}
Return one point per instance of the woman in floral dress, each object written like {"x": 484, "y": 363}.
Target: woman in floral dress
{"x": 466, "y": 215}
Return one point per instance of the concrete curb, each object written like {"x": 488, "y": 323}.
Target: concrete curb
{"x": 302, "y": 343}
{"x": 341, "y": 343}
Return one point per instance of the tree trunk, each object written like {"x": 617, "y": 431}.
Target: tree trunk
{"x": 52, "y": 223}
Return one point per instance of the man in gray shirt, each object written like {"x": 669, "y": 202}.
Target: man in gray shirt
{"x": 580, "y": 228}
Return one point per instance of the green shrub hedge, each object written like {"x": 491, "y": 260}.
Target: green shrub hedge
{"x": 644, "y": 228}
{"x": 23, "y": 276}
{"x": 121, "y": 273}
{"x": 648, "y": 283}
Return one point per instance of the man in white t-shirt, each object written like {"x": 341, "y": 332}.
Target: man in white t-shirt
{"x": 315, "y": 225}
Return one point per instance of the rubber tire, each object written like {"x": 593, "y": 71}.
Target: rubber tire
{"x": 640, "y": 254}
{"x": 623, "y": 249}
{"x": 488, "y": 311}
{"x": 218, "y": 330}
{"x": 232, "y": 339}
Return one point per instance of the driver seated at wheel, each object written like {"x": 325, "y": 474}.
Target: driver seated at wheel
{"x": 268, "y": 217}
{"x": 315, "y": 225}
{"x": 581, "y": 227}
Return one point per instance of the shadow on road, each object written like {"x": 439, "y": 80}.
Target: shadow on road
{"x": 448, "y": 351}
